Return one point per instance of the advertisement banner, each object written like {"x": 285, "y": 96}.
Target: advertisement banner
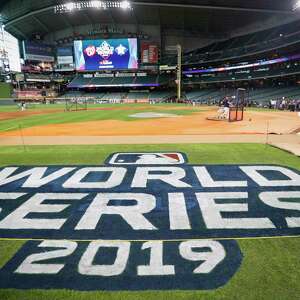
{"x": 65, "y": 60}
{"x": 144, "y": 53}
{"x": 94, "y": 55}
{"x": 149, "y": 53}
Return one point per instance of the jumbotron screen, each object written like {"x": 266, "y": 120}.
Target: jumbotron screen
{"x": 95, "y": 55}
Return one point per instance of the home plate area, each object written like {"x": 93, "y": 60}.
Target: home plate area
{"x": 152, "y": 115}
{"x": 142, "y": 221}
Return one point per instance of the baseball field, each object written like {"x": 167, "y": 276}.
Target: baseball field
{"x": 139, "y": 120}
{"x": 270, "y": 267}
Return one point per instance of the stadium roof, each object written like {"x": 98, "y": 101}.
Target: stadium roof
{"x": 211, "y": 17}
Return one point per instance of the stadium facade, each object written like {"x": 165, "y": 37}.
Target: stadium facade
{"x": 121, "y": 51}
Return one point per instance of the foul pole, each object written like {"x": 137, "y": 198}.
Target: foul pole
{"x": 179, "y": 67}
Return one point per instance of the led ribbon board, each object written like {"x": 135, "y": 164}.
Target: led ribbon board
{"x": 253, "y": 65}
{"x": 141, "y": 221}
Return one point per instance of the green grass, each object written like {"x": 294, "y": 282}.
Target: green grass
{"x": 62, "y": 106}
{"x": 270, "y": 270}
{"x": 118, "y": 113}
{"x": 62, "y": 117}
{"x": 197, "y": 153}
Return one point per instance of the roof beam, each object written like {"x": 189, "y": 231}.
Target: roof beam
{"x": 87, "y": 17}
{"x": 41, "y": 24}
{"x": 19, "y": 32}
{"x": 214, "y": 7}
{"x": 112, "y": 17}
{"x": 67, "y": 22}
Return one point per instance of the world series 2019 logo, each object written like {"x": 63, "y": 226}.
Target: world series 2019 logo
{"x": 142, "y": 221}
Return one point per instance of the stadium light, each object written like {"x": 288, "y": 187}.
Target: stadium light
{"x": 125, "y": 5}
{"x": 297, "y": 5}
{"x": 96, "y": 4}
{"x": 70, "y": 6}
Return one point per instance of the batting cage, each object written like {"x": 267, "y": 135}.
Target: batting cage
{"x": 76, "y": 104}
{"x": 236, "y": 113}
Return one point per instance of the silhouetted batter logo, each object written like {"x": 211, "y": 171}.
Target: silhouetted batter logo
{"x": 147, "y": 159}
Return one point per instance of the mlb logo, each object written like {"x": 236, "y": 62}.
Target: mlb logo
{"x": 170, "y": 158}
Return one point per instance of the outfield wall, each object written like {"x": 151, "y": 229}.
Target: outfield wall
{"x": 5, "y": 90}
{"x": 7, "y": 102}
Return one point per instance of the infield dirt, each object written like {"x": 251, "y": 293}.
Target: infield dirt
{"x": 195, "y": 124}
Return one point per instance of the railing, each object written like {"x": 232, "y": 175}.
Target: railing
{"x": 245, "y": 50}
{"x": 225, "y": 77}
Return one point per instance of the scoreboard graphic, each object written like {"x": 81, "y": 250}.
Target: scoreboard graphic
{"x": 95, "y": 55}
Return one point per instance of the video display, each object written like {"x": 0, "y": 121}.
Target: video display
{"x": 95, "y": 55}
{"x": 38, "y": 51}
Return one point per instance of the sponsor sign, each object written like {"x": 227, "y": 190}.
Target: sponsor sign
{"x": 149, "y": 53}
{"x": 141, "y": 221}
{"x": 65, "y": 60}
{"x": 65, "y": 68}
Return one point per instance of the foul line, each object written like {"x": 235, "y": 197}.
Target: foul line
{"x": 10, "y": 128}
{"x": 170, "y": 241}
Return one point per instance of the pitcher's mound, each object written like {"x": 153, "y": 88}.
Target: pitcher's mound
{"x": 151, "y": 115}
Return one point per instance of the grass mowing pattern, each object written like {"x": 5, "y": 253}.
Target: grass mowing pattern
{"x": 62, "y": 117}
{"x": 270, "y": 270}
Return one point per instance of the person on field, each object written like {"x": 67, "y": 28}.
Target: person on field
{"x": 226, "y": 105}
{"x": 223, "y": 112}
{"x": 23, "y": 106}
